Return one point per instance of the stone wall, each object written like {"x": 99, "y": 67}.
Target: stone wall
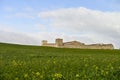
{"x": 50, "y": 45}
{"x": 75, "y": 44}
{"x": 59, "y": 42}
{"x": 99, "y": 46}
{"x": 106, "y": 46}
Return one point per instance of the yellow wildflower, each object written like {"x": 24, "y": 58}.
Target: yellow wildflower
{"x": 25, "y": 75}
{"x": 16, "y": 78}
{"x": 106, "y": 72}
{"x": 58, "y": 75}
{"x": 96, "y": 68}
{"x": 37, "y": 73}
{"x": 112, "y": 68}
{"x": 77, "y": 75}
{"x": 54, "y": 62}
{"x": 14, "y": 63}
{"x": 86, "y": 65}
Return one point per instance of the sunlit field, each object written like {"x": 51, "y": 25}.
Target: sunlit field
{"x": 19, "y": 62}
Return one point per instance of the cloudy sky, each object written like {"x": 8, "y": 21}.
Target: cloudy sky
{"x": 88, "y": 21}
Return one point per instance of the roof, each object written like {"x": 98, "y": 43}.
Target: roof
{"x": 73, "y": 42}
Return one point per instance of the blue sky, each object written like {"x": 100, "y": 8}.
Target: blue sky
{"x": 28, "y": 17}
{"x": 11, "y": 7}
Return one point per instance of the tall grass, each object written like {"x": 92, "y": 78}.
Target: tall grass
{"x": 19, "y": 62}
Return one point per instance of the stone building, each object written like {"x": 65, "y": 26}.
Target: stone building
{"x": 75, "y": 44}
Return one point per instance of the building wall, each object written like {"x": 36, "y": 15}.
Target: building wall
{"x": 59, "y": 42}
{"x": 74, "y": 44}
{"x": 89, "y": 46}
{"x": 49, "y": 44}
{"x": 44, "y": 42}
{"x": 105, "y": 46}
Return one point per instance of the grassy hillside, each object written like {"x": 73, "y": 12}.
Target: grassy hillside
{"x": 18, "y": 62}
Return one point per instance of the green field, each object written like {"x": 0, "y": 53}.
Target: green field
{"x": 19, "y": 62}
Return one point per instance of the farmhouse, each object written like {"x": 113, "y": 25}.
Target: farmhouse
{"x": 75, "y": 44}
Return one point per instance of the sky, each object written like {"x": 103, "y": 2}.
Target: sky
{"x": 88, "y": 21}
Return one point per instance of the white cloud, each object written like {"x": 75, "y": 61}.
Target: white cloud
{"x": 51, "y": 36}
{"x": 10, "y": 35}
{"x": 17, "y": 38}
{"x": 82, "y": 24}
{"x": 98, "y": 26}
{"x": 6, "y": 28}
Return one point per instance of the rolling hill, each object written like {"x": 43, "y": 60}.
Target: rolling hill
{"x": 22, "y": 62}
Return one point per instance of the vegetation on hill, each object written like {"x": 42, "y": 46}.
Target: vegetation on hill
{"x": 18, "y": 62}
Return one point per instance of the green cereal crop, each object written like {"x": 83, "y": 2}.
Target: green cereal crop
{"x": 18, "y": 62}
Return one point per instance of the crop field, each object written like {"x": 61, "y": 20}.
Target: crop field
{"x": 18, "y": 62}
